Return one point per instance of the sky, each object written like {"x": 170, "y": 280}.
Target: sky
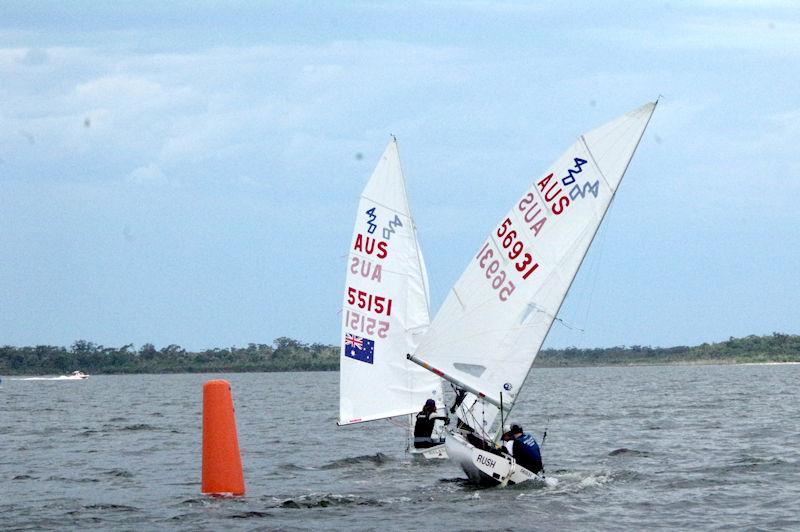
{"x": 188, "y": 172}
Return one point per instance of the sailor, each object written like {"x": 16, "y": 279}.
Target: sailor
{"x": 423, "y": 428}
{"x": 523, "y": 447}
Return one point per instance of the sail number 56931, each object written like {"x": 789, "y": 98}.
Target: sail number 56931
{"x": 492, "y": 267}
{"x": 514, "y": 249}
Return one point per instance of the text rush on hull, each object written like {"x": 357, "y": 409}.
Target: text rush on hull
{"x": 490, "y": 328}
{"x": 385, "y": 309}
{"x": 488, "y": 466}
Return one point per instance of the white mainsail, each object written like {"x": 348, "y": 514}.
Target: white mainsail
{"x": 385, "y": 308}
{"x": 496, "y": 317}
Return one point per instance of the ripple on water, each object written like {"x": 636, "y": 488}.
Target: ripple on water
{"x": 324, "y": 500}
{"x": 252, "y": 514}
{"x": 137, "y": 427}
{"x": 369, "y": 460}
{"x": 118, "y": 473}
{"x": 80, "y": 480}
{"x": 111, "y": 507}
{"x": 623, "y": 451}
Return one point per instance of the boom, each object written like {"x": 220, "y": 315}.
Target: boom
{"x": 460, "y": 384}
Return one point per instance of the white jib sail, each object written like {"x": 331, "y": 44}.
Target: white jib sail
{"x": 497, "y": 315}
{"x": 385, "y": 308}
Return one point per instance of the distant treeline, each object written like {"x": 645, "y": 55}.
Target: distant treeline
{"x": 286, "y": 354}
{"x": 777, "y": 347}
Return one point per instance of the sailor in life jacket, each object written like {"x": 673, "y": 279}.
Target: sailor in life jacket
{"x": 423, "y": 428}
{"x": 523, "y": 447}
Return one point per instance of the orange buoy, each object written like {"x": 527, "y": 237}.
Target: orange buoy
{"x": 222, "y": 463}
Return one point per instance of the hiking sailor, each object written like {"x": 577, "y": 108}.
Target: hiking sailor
{"x": 523, "y": 447}
{"x": 423, "y": 428}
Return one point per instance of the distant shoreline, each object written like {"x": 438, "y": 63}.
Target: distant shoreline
{"x": 681, "y": 363}
{"x": 26, "y": 376}
{"x": 769, "y": 363}
{"x": 286, "y": 354}
{"x": 51, "y": 376}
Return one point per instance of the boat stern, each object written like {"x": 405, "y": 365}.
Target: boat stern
{"x": 437, "y": 452}
{"x": 482, "y": 467}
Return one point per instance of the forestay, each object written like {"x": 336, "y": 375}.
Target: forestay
{"x": 494, "y": 320}
{"x": 385, "y": 308}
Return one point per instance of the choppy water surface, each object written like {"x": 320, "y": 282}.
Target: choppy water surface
{"x": 633, "y": 448}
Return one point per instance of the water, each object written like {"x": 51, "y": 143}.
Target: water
{"x": 698, "y": 447}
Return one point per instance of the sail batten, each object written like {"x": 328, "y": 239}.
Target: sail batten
{"x": 502, "y": 307}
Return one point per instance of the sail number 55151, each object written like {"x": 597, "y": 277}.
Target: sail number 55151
{"x": 369, "y": 302}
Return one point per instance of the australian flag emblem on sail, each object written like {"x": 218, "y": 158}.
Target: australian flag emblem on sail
{"x": 362, "y": 349}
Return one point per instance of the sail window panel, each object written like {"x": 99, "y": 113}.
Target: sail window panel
{"x": 476, "y": 370}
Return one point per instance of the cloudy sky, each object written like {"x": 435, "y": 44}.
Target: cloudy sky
{"x": 188, "y": 172}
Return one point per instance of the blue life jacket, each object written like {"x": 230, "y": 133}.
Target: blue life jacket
{"x": 526, "y": 452}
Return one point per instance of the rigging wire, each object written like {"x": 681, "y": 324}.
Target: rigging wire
{"x": 544, "y": 434}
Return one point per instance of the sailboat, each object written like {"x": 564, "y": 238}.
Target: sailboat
{"x": 385, "y": 310}
{"x": 494, "y": 320}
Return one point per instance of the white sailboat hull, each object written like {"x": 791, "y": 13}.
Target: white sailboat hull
{"x": 437, "y": 452}
{"x": 486, "y": 468}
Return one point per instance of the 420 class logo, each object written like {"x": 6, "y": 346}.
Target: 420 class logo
{"x": 389, "y": 230}
{"x": 554, "y": 196}
{"x": 553, "y": 189}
